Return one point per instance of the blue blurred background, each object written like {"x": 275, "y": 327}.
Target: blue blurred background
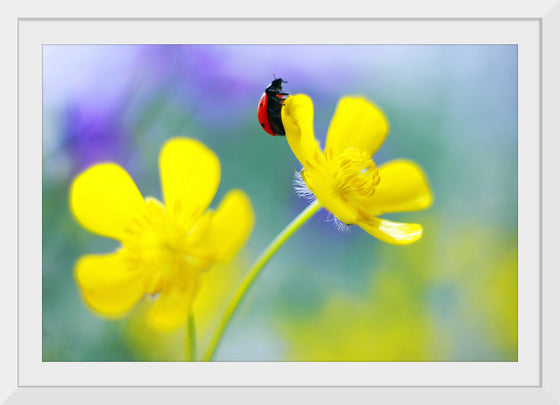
{"x": 326, "y": 295}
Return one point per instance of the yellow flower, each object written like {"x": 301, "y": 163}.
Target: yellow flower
{"x": 391, "y": 322}
{"x": 165, "y": 247}
{"x": 344, "y": 178}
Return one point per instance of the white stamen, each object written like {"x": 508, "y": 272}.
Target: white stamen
{"x": 301, "y": 188}
{"x": 338, "y": 224}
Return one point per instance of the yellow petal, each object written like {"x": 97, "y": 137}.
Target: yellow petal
{"x": 171, "y": 307}
{"x": 230, "y": 226}
{"x": 403, "y": 186}
{"x": 108, "y": 284}
{"x": 104, "y": 199}
{"x": 297, "y": 118}
{"x": 392, "y": 232}
{"x": 190, "y": 175}
{"x": 233, "y": 223}
{"x": 357, "y": 123}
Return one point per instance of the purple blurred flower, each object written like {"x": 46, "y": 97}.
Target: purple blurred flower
{"x": 85, "y": 91}
{"x": 95, "y": 134}
{"x": 198, "y": 80}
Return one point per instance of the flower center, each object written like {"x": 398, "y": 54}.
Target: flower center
{"x": 156, "y": 231}
{"x": 161, "y": 246}
{"x": 355, "y": 173}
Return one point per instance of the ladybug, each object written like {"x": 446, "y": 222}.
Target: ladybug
{"x": 270, "y": 105}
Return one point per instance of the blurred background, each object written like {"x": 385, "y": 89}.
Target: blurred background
{"x": 327, "y": 295}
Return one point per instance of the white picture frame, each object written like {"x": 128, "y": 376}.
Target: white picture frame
{"x": 25, "y": 378}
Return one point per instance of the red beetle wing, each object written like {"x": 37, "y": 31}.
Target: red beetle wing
{"x": 263, "y": 116}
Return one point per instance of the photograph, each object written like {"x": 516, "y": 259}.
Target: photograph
{"x": 280, "y": 203}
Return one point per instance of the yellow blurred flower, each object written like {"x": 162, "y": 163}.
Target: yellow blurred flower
{"x": 481, "y": 264}
{"x": 390, "y": 322}
{"x": 165, "y": 247}
{"x": 344, "y": 178}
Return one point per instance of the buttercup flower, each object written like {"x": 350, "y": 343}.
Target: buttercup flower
{"x": 165, "y": 247}
{"x": 344, "y": 178}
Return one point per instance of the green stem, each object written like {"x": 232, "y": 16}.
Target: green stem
{"x": 190, "y": 348}
{"x": 255, "y": 271}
